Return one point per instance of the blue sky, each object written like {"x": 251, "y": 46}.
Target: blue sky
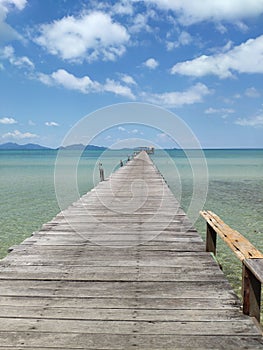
{"x": 62, "y": 60}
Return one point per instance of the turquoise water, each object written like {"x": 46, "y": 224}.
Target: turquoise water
{"x": 235, "y": 192}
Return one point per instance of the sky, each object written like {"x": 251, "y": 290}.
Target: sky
{"x": 201, "y": 60}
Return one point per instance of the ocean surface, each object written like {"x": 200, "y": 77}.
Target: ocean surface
{"x": 29, "y": 196}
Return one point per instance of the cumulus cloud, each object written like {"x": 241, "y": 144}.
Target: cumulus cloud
{"x": 190, "y": 12}
{"x": 245, "y": 58}
{"x": 7, "y": 120}
{"x": 151, "y": 63}
{"x": 184, "y": 39}
{"x": 120, "y": 128}
{"x": 84, "y": 84}
{"x": 91, "y": 36}
{"x": 51, "y": 124}
{"x": 193, "y": 95}
{"x": 69, "y": 81}
{"x": 18, "y": 135}
{"x": 127, "y": 79}
{"x": 252, "y": 92}
{"x": 7, "y": 4}
{"x": 6, "y": 31}
{"x": 253, "y": 122}
{"x": 123, "y": 7}
{"x": 140, "y": 22}
{"x": 9, "y": 54}
{"x": 117, "y": 89}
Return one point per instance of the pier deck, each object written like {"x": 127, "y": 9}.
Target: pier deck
{"x": 122, "y": 268}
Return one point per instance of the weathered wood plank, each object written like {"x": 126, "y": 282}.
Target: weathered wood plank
{"x": 37, "y": 340}
{"x": 124, "y": 314}
{"x": 238, "y": 243}
{"x": 230, "y": 327}
{"x": 132, "y": 302}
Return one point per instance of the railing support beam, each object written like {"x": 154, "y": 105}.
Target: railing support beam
{"x": 251, "y": 287}
{"x": 211, "y": 237}
{"x": 251, "y": 258}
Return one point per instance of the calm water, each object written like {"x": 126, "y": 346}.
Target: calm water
{"x": 235, "y": 193}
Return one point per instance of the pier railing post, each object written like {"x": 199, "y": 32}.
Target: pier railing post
{"x": 251, "y": 258}
{"x": 101, "y": 172}
{"x": 211, "y": 236}
{"x": 251, "y": 287}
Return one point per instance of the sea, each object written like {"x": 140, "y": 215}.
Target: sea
{"x": 35, "y": 185}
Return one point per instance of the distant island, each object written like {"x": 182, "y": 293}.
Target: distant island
{"x": 33, "y": 146}
{"x": 16, "y": 146}
{"x": 81, "y": 147}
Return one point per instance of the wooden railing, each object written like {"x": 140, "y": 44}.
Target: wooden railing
{"x": 251, "y": 258}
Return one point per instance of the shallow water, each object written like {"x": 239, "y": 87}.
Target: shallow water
{"x": 235, "y": 193}
{"x": 235, "y": 190}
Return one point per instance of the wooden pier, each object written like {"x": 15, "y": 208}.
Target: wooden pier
{"x": 122, "y": 268}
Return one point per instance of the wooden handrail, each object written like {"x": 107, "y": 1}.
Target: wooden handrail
{"x": 251, "y": 257}
{"x": 238, "y": 243}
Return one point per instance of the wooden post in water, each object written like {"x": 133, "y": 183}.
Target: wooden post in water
{"x": 101, "y": 172}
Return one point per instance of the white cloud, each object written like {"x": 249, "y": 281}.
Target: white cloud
{"x": 84, "y": 85}
{"x": 221, "y": 28}
{"x": 7, "y": 4}
{"x": 127, "y": 79}
{"x": 118, "y": 89}
{"x": 120, "y": 128}
{"x": 245, "y": 58}
{"x": 6, "y": 31}
{"x": 90, "y": 36}
{"x": 242, "y": 26}
{"x": 51, "y": 124}
{"x": 193, "y": 95}
{"x": 151, "y": 63}
{"x": 136, "y": 131}
{"x": 184, "y": 39}
{"x": 7, "y": 120}
{"x": 223, "y": 112}
{"x": 18, "y": 135}
{"x": 192, "y": 11}
{"x": 139, "y": 22}
{"x": 9, "y": 54}
{"x": 69, "y": 81}
{"x": 212, "y": 110}
{"x": 252, "y": 92}
{"x": 253, "y": 122}
{"x": 123, "y": 7}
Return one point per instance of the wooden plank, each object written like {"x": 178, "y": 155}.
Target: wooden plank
{"x": 35, "y": 340}
{"x": 124, "y": 314}
{"x": 132, "y": 302}
{"x": 230, "y": 327}
{"x": 238, "y": 243}
{"x": 113, "y": 289}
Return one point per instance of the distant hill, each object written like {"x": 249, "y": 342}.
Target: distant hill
{"x": 81, "y": 147}
{"x": 15, "y": 146}
{"x": 33, "y": 146}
